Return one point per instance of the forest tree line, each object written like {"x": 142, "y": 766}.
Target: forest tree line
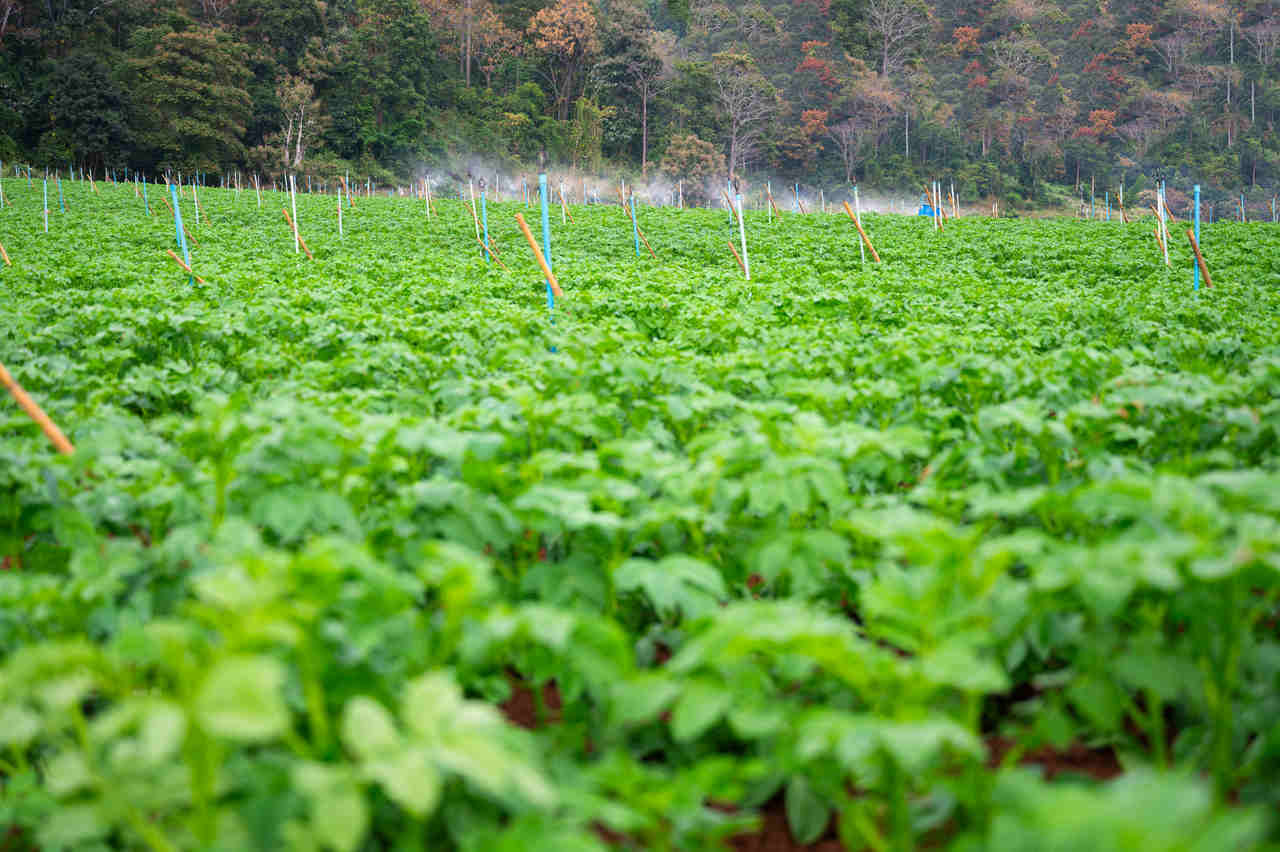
{"x": 1008, "y": 98}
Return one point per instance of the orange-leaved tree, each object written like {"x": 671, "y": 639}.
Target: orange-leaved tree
{"x": 567, "y": 36}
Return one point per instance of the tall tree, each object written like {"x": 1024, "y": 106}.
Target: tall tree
{"x": 81, "y": 113}
{"x": 640, "y": 61}
{"x": 896, "y": 25}
{"x": 746, "y": 99}
{"x": 567, "y": 36}
{"x": 192, "y": 88}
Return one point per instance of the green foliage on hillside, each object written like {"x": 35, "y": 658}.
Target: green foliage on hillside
{"x": 1006, "y": 98}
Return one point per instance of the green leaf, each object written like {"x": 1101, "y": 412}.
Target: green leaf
{"x": 700, "y": 705}
{"x": 18, "y": 725}
{"x": 241, "y": 699}
{"x": 368, "y": 730}
{"x": 339, "y": 813}
{"x": 807, "y": 812}
{"x": 409, "y": 779}
{"x": 675, "y": 584}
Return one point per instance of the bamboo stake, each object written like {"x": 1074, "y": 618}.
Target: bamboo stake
{"x": 27, "y": 404}
{"x": 475, "y": 218}
{"x": 738, "y": 258}
{"x": 297, "y": 236}
{"x": 183, "y": 264}
{"x": 865, "y": 239}
{"x": 769, "y": 193}
{"x": 184, "y": 224}
{"x": 564, "y": 205}
{"x": 742, "y": 234}
{"x": 489, "y": 248}
{"x": 627, "y": 207}
{"x": 1164, "y": 249}
{"x": 1195, "y": 247}
{"x": 537, "y": 255}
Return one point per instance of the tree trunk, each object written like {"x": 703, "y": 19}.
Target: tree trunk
{"x": 644, "y": 131}
{"x": 468, "y": 47}
{"x": 297, "y": 150}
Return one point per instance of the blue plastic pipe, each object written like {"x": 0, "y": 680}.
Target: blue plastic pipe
{"x": 635, "y": 228}
{"x": 1195, "y": 267}
{"x": 484, "y": 220}
{"x": 177, "y": 226}
{"x": 546, "y": 236}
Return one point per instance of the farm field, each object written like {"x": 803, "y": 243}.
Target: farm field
{"x": 977, "y": 548}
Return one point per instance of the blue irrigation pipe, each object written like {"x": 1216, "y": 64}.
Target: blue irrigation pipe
{"x": 546, "y": 238}
{"x": 635, "y": 228}
{"x": 1107, "y": 196}
{"x": 46, "y": 205}
{"x": 484, "y": 220}
{"x": 177, "y": 226}
{"x": 1195, "y": 267}
{"x": 146, "y": 204}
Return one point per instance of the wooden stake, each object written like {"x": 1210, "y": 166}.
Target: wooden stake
{"x": 627, "y": 207}
{"x": 183, "y": 264}
{"x": 537, "y": 255}
{"x": 862, "y": 233}
{"x": 296, "y": 235}
{"x": 184, "y": 224}
{"x": 769, "y": 193}
{"x": 494, "y": 254}
{"x": 738, "y": 258}
{"x": 27, "y": 404}
{"x": 564, "y": 205}
{"x": 1195, "y": 247}
{"x": 1160, "y": 237}
{"x": 4, "y": 254}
